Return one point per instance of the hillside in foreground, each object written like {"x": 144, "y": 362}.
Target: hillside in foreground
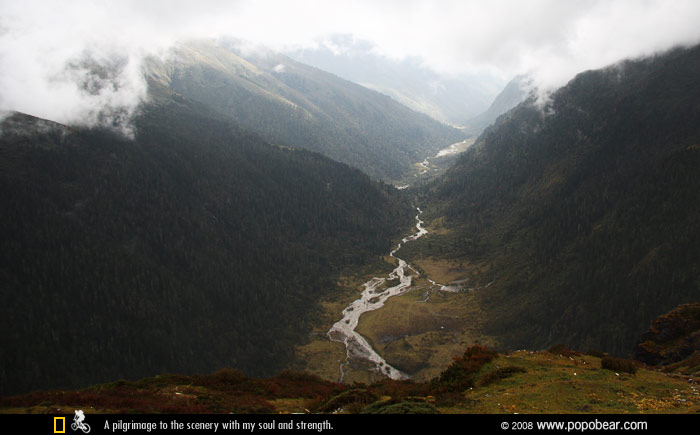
{"x": 482, "y": 381}
{"x": 554, "y": 381}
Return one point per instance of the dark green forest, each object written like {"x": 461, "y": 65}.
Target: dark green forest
{"x": 193, "y": 247}
{"x": 585, "y": 211}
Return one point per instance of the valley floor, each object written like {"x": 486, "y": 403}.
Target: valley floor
{"x": 418, "y": 332}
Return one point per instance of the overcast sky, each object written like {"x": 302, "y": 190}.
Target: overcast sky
{"x": 43, "y": 42}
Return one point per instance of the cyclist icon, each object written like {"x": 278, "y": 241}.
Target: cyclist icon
{"x": 78, "y": 422}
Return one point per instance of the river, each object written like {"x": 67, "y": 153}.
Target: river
{"x": 373, "y": 297}
{"x": 424, "y": 166}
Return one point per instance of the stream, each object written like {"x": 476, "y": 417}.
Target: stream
{"x": 372, "y": 298}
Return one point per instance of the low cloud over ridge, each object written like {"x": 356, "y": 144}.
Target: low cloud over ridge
{"x": 79, "y": 62}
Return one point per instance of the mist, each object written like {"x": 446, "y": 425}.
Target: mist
{"x": 80, "y": 62}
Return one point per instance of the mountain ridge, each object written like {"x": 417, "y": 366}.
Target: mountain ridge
{"x": 583, "y": 210}
{"x": 292, "y": 104}
{"x": 512, "y": 94}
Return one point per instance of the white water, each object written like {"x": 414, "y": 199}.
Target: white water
{"x": 371, "y": 299}
{"x": 452, "y": 149}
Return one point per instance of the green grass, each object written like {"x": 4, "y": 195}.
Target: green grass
{"x": 519, "y": 382}
{"x": 561, "y": 384}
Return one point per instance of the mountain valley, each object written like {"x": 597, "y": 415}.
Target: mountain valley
{"x": 262, "y": 204}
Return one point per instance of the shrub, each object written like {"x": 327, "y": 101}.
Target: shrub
{"x": 501, "y": 373}
{"x": 306, "y": 385}
{"x": 376, "y": 407}
{"x": 400, "y": 389}
{"x": 225, "y": 377}
{"x": 402, "y": 407}
{"x": 448, "y": 398}
{"x": 409, "y": 408}
{"x": 596, "y": 353}
{"x": 561, "y": 349}
{"x": 349, "y": 397}
{"x": 619, "y": 365}
{"x": 154, "y": 382}
{"x": 460, "y": 374}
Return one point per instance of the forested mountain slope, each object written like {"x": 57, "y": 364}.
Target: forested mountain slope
{"x": 585, "y": 213}
{"x": 193, "y": 247}
{"x": 296, "y": 105}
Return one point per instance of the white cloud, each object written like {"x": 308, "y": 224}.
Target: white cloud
{"x": 42, "y": 43}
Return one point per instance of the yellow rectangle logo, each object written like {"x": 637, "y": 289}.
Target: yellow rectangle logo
{"x": 63, "y": 424}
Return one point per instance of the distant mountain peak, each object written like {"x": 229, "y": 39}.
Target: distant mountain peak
{"x": 448, "y": 98}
